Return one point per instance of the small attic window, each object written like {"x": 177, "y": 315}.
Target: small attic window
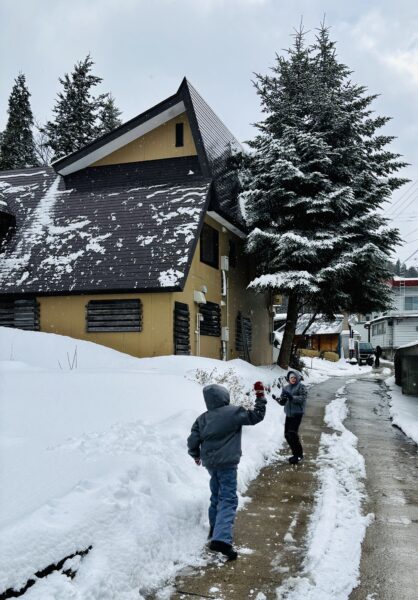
{"x": 179, "y": 135}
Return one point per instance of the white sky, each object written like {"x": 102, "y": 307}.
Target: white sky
{"x": 143, "y": 48}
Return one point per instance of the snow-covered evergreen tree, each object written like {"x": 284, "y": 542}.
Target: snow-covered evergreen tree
{"x": 312, "y": 186}
{"x": 17, "y": 146}
{"x": 76, "y": 111}
{"x": 109, "y": 115}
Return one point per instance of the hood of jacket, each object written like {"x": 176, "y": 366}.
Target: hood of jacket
{"x": 215, "y": 396}
{"x": 296, "y": 373}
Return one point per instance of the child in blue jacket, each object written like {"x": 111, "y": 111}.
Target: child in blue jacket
{"x": 215, "y": 442}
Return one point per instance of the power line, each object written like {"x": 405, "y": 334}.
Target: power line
{"x": 407, "y": 243}
{"x": 413, "y": 254}
{"x": 411, "y": 217}
{"x": 411, "y": 232}
{"x": 405, "y": 196}
{"x": 403, "y": 208}
{"x": 408, "y": 189}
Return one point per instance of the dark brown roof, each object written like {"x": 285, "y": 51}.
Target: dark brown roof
{"x": 214, "y": 142}
{"x": 124, "y": 227}
{"x": 121, "y": 227}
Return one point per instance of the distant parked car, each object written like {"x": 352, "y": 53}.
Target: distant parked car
{"x": 364, "y": 352}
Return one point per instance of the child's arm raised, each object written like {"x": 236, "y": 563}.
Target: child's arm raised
{"x": 252, "y": 417}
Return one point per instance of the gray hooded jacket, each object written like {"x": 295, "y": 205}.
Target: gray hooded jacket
{"x": 297, "y": 404}
{"x": 216, "y": 434}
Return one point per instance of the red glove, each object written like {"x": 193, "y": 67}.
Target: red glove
{"x": 259, "y": 389}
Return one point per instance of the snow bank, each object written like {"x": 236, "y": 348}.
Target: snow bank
{"x": 322, "y": 369}
{"x": 403, "y": 410}
{"x": 337, "y": 526}
{"x": 93, "y": 453}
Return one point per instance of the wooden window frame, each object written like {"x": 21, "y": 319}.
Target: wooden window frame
{"x": 207, "y": 231}
{"x": 179, "y": 135}
{"x": 20, "y": 313}
{"x": 243, "y": 324}
{"x": 181, "y": 328}
{"x": 211, "y": 324}
{"x": 113, "y": 316}
{"x": 232, "y": 255}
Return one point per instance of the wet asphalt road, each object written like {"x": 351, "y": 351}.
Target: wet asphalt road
{"x": 389, "y": 563}
{"x": 270, "y": 531}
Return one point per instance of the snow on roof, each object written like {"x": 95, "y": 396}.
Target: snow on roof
{"x": 408, "y": 281}
{"x": 410, "y": 345}
{"x": 123, "y": 227}
{"x": 319, "y": 327}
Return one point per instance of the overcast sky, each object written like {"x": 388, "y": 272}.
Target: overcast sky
{"x": 143, "y": 48}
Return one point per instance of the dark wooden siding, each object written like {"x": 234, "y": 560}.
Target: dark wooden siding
{"x": 114, "y": 315}
{"x": 20, "y": 314}
{"x": 181, "y": 328}
{"x": 211, "y": 324}
{"x": 243, "y": 336}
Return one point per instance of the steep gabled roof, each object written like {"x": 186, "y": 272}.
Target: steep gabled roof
{"x": 214, "y": 143}
{"x": 131, "y": 227}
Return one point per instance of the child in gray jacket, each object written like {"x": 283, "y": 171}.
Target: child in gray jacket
{"x": 293, "y": 398}
{"x": 215, "y": 442}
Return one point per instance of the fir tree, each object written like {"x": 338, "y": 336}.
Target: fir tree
{"x": 312, "y": 186}
{"x": 17, "y": 146}
{"x": 76, "y": 111}
{"x": 397, "y": 269}
{"x": 109, "y": 115}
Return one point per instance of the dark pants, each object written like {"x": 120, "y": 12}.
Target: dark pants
{"x": 291, "y": 428}
{"x": 223, "y": 503}
{"x": 377, "y": 362}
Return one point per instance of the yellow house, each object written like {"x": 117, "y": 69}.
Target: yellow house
{"x": 136, "y": 241}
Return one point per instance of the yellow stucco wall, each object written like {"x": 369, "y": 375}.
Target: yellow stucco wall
{"x": 239, "y": 298}
{"x": 66, "y": 315}
{"x": 156, "y": 144}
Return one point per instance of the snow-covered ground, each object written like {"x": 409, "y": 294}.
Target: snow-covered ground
{"x": 403, "y": 410}
{"x": 319, "y": 369}
{"x": 337, "y": 526}
{"x": 93, "y": 453}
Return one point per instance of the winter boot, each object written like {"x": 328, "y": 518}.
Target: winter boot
{"x": 225, "y": 549}
{"x": 294, "y": 460}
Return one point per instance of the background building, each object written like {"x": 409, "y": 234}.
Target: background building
{"x": 399, "y": 326}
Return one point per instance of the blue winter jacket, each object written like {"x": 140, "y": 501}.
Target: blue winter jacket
{"x": 216, "y": 434}
{"x": 296, "y": 404}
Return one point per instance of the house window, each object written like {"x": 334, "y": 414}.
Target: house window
{"x": 379, "y": 329}
{"x": 211, "y": 323}
{"x": 411, "y": 303}
{"x": 20, "y": 314}
{"x": 179, "y": 135}
{"x": 114, "y": 315}
{"x": 209, "y": 246}
{"x": 243, "y": 335}
{"x": 232, "y": 253}
{"x": 181, "y": 328}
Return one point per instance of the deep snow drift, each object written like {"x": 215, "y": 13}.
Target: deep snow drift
{"x": 93, "y": 453}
